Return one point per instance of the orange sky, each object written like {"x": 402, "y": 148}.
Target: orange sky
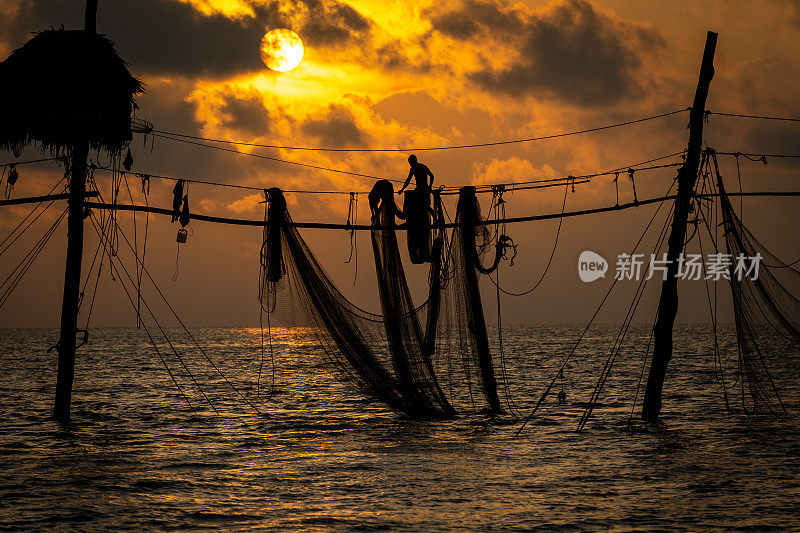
{"x": 385, "y": 74}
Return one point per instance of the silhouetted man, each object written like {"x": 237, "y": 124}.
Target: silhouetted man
{"x": 417, "y": 210}
{"x": 420, "y": 172}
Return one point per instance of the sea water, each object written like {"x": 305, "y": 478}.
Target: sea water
{"x": 140, "y": 454}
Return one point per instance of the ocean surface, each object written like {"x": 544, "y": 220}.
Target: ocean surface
{"x": 141, "y": 455}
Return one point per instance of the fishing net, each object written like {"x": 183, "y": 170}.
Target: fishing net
{"x": 403, "y": 356}
{"x": 767, "y": 314}
{"x": 464, "y": 349}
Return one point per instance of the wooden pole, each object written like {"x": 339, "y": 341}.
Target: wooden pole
{"x": 72, "y": 281}
{"x": 72, "y": 270}
{"x": 687, "y": 177}
{"x": 90, "y": 20}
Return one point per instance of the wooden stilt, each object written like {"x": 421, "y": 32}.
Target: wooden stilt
{"x": 687, "y": 177}
{"x": 72, "y": 271}
{"x": 72, "y": 279}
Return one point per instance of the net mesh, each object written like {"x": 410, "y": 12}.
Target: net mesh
{"x": 767, "y": 315}
{"x": 430, "y": 360}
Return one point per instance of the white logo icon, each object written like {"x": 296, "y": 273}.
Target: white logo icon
{"x": 591, "y": 266}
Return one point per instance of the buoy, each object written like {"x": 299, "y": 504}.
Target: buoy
{"x": 562, "y": 396}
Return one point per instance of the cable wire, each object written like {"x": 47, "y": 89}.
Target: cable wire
{"x": 276, "y": 159}
{"x": 418, "y": 148}
{"x": 760, "y": 117}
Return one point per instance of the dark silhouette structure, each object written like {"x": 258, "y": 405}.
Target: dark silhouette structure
{"x": 420, "y": 173}
{"x": 383, "y": 193}
{"x": 427, "y": 360}
{"x": 687, "y": 178}
{"x": 66, "y": 91}
{"x": 417, "y": 209}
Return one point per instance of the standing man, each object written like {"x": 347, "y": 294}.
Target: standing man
{"x": 417, "y": 210}
{"x": 420, "y": 173}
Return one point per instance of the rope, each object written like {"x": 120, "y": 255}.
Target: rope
{"x": 739, "y": 177}
{"x": 177, "y": 317}
{"x": 13, "y": 280}
{"x": 762, "y": 158}
{"x": 278, "y": 160}
{"x": 760, "y": 117}
{"x": 18, "y": 163}
{"x": 96, "y": 284}
{"x": 591, "y": 320}
{"x": 421, "y": 149}
{"x": 352, "y": 219}
{"x": 500, "y": 244}
{"x": 617, "y": 347}
{"x": 511, "y": 186}
{"x": 549, "y": 261}
{"x": 101, "y": 233}
{"x": 641, "y": 373}
{"x": 479, "y": 189}
{"x": 718, "y": 368}
{"x": 30, "y": 214}
{"x": 136, "y": 246}
{"x": 183, "y": 326}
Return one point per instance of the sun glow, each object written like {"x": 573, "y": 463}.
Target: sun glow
{"x": 281, "y": 49}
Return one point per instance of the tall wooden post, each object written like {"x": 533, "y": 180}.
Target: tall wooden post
{"x": 90, "y": 20}
{"x": 72, "y": 280}
{"x": 687, "y": 177}
{"x": 72, "y": 271}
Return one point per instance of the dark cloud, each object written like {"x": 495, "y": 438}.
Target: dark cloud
{"x": 332, "y": 23}
{"x": 246, "y": 115}
{"x": 166, "y": 106}
{"x": 474, "y": 15}
{"x": 772, "y": 137}
{"x": 571, "y": 51}
{"x": 391, "y": 56}
{"x": 171, "y": 37}
{"x": 457, "y": 24}
{"x": 336, "y": 128}
{"x": 158, "y": 36}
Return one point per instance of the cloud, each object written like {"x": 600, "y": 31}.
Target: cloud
{"x": 196, "y": 39}
{"x": 509, "y": 170}
{"x": 246, "y": 115}
{"x": 246, "y": 204}
{"x": 476, "y": 15}
{"x": 332, "y": 23}
{"x": 337, "y": 127}
{"x": 156, "y": 36}
{"x": 569, "y": 50}
{"x": 164, "y": 102}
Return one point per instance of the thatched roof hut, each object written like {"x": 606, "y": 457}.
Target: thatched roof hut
{"x": 63, "y": 87}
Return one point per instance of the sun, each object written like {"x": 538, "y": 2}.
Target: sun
{"x": 281, "y": 49}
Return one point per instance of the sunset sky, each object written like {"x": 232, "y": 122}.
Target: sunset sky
{"x": 378, "y": 74}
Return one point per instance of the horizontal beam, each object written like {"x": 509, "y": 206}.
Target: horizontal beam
{"x": 221, "y": 220}
{"x": 46, "y": 198}
{"x": 325, "y": 225}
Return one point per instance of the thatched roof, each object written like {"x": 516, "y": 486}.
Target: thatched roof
{"x": 63, "y": 86}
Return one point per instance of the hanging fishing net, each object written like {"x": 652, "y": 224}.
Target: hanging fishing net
{"x": 767, "y": 314}
{"x": 426, "y": 360}
{"x": 464, "y": 343}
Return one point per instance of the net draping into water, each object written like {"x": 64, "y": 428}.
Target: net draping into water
{"x": 767, "y": 315}
{"x": 428, "y": 360}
